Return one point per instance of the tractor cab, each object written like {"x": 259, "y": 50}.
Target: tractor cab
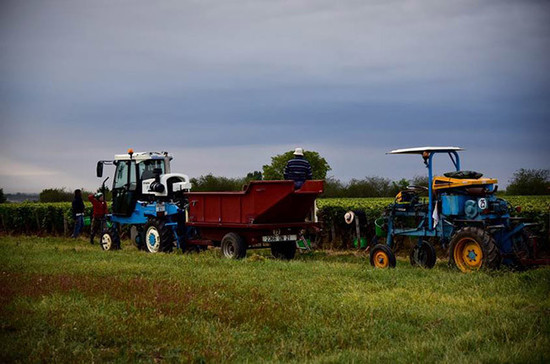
{"x": 143, "y": 176}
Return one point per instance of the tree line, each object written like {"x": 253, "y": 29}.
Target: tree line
{"x": 523, "y": 182}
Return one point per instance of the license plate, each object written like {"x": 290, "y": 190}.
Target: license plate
{"x": 274, "y": 238}
{"x": 160, "y": 207}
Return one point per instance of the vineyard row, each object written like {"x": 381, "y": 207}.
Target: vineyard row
{"x": 56, "y": 218}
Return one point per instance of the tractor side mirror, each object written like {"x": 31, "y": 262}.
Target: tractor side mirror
{"x": 99, "y": 169}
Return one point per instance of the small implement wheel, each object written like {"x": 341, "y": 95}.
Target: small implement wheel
{"x": 110, "y": 240}
{"x": 158, "y": 237}
{"x": 522, "y": 245}
{"x": 423, "y": 255}
{"x": 381, "y": 256}
{"x": 233, "y": 246}
{"x": 285, "y": 250}
{"x": 472, "y": 249}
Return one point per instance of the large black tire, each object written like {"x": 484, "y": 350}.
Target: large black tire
{"x": 472, "y": 249}
{"x": 285, "y": 250}
{"x": 158, "y": 237}
{"x": 233, "y": 246}
{"x": 110, "y": 240}
{"x": 381, "y": 256}
{"x": 423, "y": 255}
{"x": 138, "y": 238}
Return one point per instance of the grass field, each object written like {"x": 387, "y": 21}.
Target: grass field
{"x": 67, "y": 301}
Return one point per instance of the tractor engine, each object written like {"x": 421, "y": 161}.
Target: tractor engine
{"x": 472, "y": 207}
{"x": 499, "y": 207}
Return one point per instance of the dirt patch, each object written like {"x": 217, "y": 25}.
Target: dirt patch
{"x": 167, "y": 296}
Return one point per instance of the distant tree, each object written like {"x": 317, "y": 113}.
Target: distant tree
{"x": 275, "y": 170}
{"x": 372, "y": 186}
{"x": 21, "y": 197}
{"x": 420, "y": 181}
{"x": 334, "y": 187}
{"x": 397, "y": 186}
{"x": 3, "y": 198}
{"x": 56, "y": 195}
{"x": 210, "y": 182}
{"x": 254, "y": 176}
{"x": 530, "y": 182}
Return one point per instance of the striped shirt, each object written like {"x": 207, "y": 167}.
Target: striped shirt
{"x": 298, "y": 169}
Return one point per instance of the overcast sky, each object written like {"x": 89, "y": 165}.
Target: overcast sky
{"x": 225, "y": 85}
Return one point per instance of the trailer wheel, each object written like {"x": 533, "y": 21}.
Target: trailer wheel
{"x": 423, "y": 256}
{"x": 110, "y": 240}
{"x": 473, "y": 248}
{"x": 285, "y": 250}
{"x": 158, "y": 237}
{"x": 381, "y": 256}
{"x": 233, "y": 246}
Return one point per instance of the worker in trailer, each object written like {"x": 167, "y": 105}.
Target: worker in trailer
{"x": 100, "y": 210}
{"x": 298, "y": 169}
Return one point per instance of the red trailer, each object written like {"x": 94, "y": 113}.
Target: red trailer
{"x": 265, "y": 214}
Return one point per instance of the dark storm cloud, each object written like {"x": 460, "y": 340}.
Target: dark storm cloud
{"x": 230, "y": 83}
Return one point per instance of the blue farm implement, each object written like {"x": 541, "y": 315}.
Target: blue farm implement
{"x": 462, "y": 213}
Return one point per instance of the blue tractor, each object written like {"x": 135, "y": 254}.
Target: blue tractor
{"x": 461, "y": 212}
{"x": 149, "y": 197}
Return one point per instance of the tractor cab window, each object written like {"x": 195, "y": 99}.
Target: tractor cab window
{"x": 121, "y": 175}
{"x": 133, "y": 179}
{"x": 146, "y": 168}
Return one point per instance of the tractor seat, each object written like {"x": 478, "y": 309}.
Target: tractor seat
{"x": 463, "y": 174}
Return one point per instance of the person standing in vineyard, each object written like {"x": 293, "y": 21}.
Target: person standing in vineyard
{"x": 78, "y": 213}
{"x": 298, "y": 169}
{"x": 100, "y": 210}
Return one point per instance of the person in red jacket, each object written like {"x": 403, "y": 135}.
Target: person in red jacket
{"x": 100, "y": 210}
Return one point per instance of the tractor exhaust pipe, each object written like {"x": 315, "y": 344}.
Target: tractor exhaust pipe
{"x": 166, "y": 163}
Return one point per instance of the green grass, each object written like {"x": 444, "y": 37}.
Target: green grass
{"x": 66, "y": 301}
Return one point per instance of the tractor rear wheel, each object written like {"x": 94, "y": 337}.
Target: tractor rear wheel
{"x": 423, "y": 255}
{"x": 158, "y": 237}
{"x": 473, "y": 248}
{"x": 381, "y": 256}
{"x": 233, "y": 246}
{"x": 110, "y": 240}
{"x": 285, "y": 250}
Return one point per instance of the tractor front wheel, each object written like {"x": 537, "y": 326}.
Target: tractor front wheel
{"x": 110, "y": 240}
{"x": 233, "y": 246}
{"x": 473, "y": 248}
{"x": 423, "y": 255}
{"x": 158, "y": 237}
{"x": 381, "y": 256}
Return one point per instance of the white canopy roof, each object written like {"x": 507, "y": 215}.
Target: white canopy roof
{"x": 141, "y": 156}
{"x": 420, "y": 150}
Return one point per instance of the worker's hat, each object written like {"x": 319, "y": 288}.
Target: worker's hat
{"x": 299, "y": 151}
{"x": 348, "y": 217}
{"x": 98, "y": 195}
